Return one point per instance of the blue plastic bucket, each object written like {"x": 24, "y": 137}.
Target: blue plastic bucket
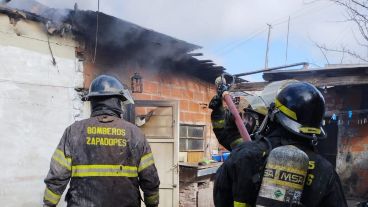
{"x": 225, "y": 155}
{"x": 216, "y": 157}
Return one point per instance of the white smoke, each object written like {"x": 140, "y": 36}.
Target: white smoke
{"x": 210, "y": 22}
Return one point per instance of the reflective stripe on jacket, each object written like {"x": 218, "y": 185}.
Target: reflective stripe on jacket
{"x": 106, "y": 160}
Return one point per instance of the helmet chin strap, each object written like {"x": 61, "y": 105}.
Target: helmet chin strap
{"x": 269, "y": 117}
{"x": 315, "y": 140}
{"x": 263, "y": 124}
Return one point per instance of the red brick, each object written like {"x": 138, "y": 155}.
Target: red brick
{"x": 150, "y": 87}
{"x": 176, "y": 93}
{"x": 153, "y": 97}
{"x": 209, "y": 95}
{"x": 142, "y": 96}
{"x": 358, "y": 143}
{"x": 183, "y": 117}
{"x": 193, "y": 85}
{"x": 187, "y": 94}
{"x": 195, "y": 117}
{"x": 193, "y": 107}
{"x": 357, "y": 148}
{"x": 166, "y": 90}
{"x": 176, "y": 82}
{"x": 197, "y": 96}
{"x": 184, "y": 105}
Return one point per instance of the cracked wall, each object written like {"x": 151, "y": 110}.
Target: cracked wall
{"x": 38, "y": 101}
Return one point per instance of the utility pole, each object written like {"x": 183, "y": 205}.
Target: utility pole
{"x": 268, "y": 43}
{"x": 287, "y": 41}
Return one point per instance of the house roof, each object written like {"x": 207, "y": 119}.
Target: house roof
{"x": 116, "y": 35}
{"x": 328, "y": 71}
{"x": 331, "y": 75}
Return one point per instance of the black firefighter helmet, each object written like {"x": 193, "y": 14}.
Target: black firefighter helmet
{"x": 300, "y": 108}
{"x": 105, "y": 86}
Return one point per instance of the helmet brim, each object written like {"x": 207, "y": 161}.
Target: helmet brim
{"x": 294, "y": 127}
{"x": 124, "y": 96}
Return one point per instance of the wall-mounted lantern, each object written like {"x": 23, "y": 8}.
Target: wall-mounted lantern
{"x": 137, "y": 83}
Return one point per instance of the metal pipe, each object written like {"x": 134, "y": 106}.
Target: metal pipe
{"x": 270, "y": 69}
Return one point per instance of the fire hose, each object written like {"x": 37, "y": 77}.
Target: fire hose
{"x": 223, "y": 90}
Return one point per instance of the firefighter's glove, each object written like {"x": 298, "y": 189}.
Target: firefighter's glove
{"x": 217, "y": 115}
{"x": 223, "y": 124}
{"x": 215, "y": 103}
{"x": 228, "y": 135}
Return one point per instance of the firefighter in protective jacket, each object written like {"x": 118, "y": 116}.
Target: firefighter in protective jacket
{"x": 294, "y": 118}
{"x": 105, "y": 158}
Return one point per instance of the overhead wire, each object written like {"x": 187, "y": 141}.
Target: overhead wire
{"x": 230, "y": 47}
{"x": 238, "y": 44}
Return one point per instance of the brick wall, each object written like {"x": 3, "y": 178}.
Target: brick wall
{"x": 352, "y": 164}
{"x": 158, "y": 84}
{"x": 192, "y": 94}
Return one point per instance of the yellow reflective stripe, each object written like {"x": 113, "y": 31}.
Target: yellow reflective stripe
{"x": 51, "y": 196}
{"x": 310, "y": 130}
{"x": 104, "y": 171}
{"x": 60, "y": 158}
{"x": 218, "y": 124}
{"x": 286, "y": 168}
{"x": 146, "y": 157}
{"x": 283, "y": 183}
{"x": 153, "y": 199}
{"x": 285, "y": 110}
{"x": 236, "y": 142}
{"x": 240, "y": 204}
{"x": 146, "y": 161}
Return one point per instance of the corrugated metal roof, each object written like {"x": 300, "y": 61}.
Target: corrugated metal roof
{"x": 328, "y": 71}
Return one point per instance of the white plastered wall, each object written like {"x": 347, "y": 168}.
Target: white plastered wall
{"x": 37, "y": 102}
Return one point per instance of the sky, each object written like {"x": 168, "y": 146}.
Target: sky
{"x": 234, "y": 33}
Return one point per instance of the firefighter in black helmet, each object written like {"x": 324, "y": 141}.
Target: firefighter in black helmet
{"x": 294, "y": 118}
{"x": 105, "y": 159}
{"x": 300, "y": 108}
{"x": 253, "y": 111}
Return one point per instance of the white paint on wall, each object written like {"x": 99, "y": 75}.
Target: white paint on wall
{"x": 37, "y": 102}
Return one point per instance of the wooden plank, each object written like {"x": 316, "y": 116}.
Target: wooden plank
{"x": 317, "y": 81}
{"x": 195, "y": 157}
{"x": 249, "y": 86}
{"x": 337, "y": 81}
